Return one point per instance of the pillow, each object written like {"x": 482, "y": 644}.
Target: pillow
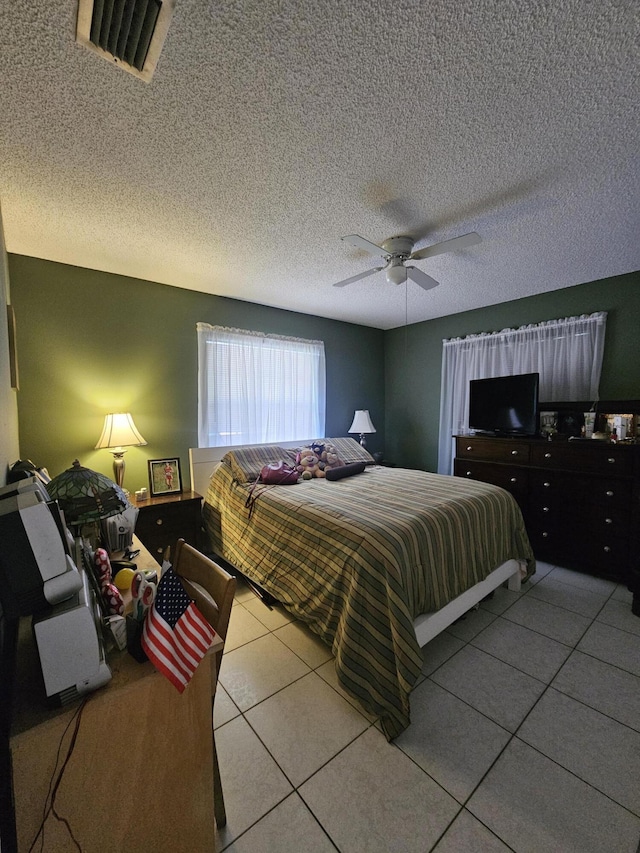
{"x": 349, "y": 450}
{"x": 345, "y": 471}
{"x": 246, "y": 463}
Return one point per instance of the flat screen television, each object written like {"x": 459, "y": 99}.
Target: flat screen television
{"x": 504, "y": 405}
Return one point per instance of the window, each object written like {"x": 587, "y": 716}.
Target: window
{"x": 255, "y": 388}
{"x": 567, "y": 353}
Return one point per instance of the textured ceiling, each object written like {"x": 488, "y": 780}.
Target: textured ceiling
{"x": 271, "y": 129}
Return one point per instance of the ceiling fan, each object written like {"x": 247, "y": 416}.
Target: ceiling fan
{"x": 397, "y": 250}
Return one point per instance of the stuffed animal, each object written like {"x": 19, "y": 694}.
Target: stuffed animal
{"x": 313, "y": 461}
{"x": 307, "y": 463}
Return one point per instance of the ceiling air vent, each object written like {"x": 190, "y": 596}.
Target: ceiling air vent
{"x": 128, "y": 33}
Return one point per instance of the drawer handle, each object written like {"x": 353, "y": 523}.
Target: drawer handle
{"x": 468, "y": 473}
{"x": 545, "y": 534}
{"x": 611, "y": 460}
{"x": 606, "y": 549}
{"x": 608, "y": 521}
{"x": 514, "y": 452}
{"x": 545, "y": 509}
{"x": 469, "y": 447}
{"x": 547, "y": 456}
{"x": 158, "y": 550}
{"x": 609, "y": 493}
{"x": 546, "y": 485}
{"x": 158, "y": 521}
{"x": 514, "y": 480}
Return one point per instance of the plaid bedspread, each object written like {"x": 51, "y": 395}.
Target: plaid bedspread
{"x": 358, "y": 559}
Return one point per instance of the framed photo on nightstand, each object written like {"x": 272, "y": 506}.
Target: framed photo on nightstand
{"x": 164, "y": 477}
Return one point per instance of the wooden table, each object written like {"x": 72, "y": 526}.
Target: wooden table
{"x": 140, "y": 776}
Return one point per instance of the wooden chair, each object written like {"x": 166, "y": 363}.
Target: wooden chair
{"x": 212, "y": 589}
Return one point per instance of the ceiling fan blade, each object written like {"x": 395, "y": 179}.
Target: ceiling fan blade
{"x": 421, "y": 278}
{"x": 357, "y": 277}
{"x": 452, "y": 245}
{"x": 367, "y": 245}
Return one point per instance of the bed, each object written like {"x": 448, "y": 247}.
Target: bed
{"x": 376, "y": 564}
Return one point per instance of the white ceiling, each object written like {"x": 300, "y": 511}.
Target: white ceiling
{"x": 271, "y": 129}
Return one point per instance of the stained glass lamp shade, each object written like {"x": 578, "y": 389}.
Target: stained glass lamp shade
{"x": 86, "y": 496}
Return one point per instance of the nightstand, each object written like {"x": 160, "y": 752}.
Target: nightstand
{"x": 164, "y": 519}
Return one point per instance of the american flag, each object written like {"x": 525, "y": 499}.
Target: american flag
{"x": 175, "y": 636}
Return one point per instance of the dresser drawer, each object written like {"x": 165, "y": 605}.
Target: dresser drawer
{"x": 514, "y": 480}
{"x": 495, "y": 450}
{"x": 580, "y": 490}
{"x": 584, "y": 456}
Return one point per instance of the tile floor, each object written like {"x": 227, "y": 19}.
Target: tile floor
{"x": 525, "y": 733}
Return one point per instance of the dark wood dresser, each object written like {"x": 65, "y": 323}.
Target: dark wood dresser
{"x": 580, "y": 499}
{"x": 162, "y": 520}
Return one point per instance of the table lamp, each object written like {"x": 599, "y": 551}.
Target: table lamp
{"x": 119, "y": 432}
{"x": 362, "y": 424}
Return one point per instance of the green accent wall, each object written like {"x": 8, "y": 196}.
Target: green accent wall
{"x": 413, "y": 357}
{"x": 91, "y": 342}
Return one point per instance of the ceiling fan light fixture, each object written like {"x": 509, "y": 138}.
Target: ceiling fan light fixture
{"x": 396, "y": 273}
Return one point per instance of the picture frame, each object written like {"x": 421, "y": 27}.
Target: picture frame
{"x": 165, "y": 477}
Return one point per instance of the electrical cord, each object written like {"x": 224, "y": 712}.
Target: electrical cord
{"x": 50, "y": 800}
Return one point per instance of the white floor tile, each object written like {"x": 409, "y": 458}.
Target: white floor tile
{"x": 501, "y": 600}
{"x": 224, "y": 708}
{"x": 607, "y": 688}
{"x": 372, "y": 798}
{"x": 603, "y": 586}
{"x": 328, "y": 673}
{"x": 471, "y": 624}
{"x": 619, "y": 615}
{"x": 536, "y": 806}
{"x": 258, "y": 669}
{"x": 594, "y": 747}
{"x": 622, "y": 593}
{"x": 305, "y": 644}
{"x": 289, "y": 828}
{"x": 494, "y": 688}
{"x": 271, "y": 617}
{"x": 573, "y": 598}
{"x": 440, "y": 649}
{"x": 467, "y": 835}
{"x": 451, "y": 741}
{"x": 530, "y": 652}
{"x": 555, "y": 622}
{"x": 243, "y": 628}
{"x": 611, "y": 645}
{"x": 359, "y": 793}
{"x": 542, "y": 570}
{"x": 252, "y": 783}
{"x": 305, "y": 725}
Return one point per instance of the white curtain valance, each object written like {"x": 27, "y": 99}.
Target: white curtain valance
{"x": 567, "y": 353}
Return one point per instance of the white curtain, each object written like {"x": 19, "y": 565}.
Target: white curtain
{"x": 566, "y": 353}
{"x": 255, "y": 388}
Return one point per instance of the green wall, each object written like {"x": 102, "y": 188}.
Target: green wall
{"x": 413, "y": 393}
{"x": 90, "y": 342}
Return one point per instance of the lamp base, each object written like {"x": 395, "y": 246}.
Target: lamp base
{"x": 363, "y": 441}
{"x": 118, "y": 466}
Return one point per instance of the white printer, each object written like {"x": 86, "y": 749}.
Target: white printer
{"x": 39, "y": 577}
{"x": 36, "y": 568}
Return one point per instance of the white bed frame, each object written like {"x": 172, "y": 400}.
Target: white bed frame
{"x": 202, "y": 461}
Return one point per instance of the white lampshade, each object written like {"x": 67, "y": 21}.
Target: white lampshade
{"x": 119, "y": 430}
{"x": 362, "y": 422}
